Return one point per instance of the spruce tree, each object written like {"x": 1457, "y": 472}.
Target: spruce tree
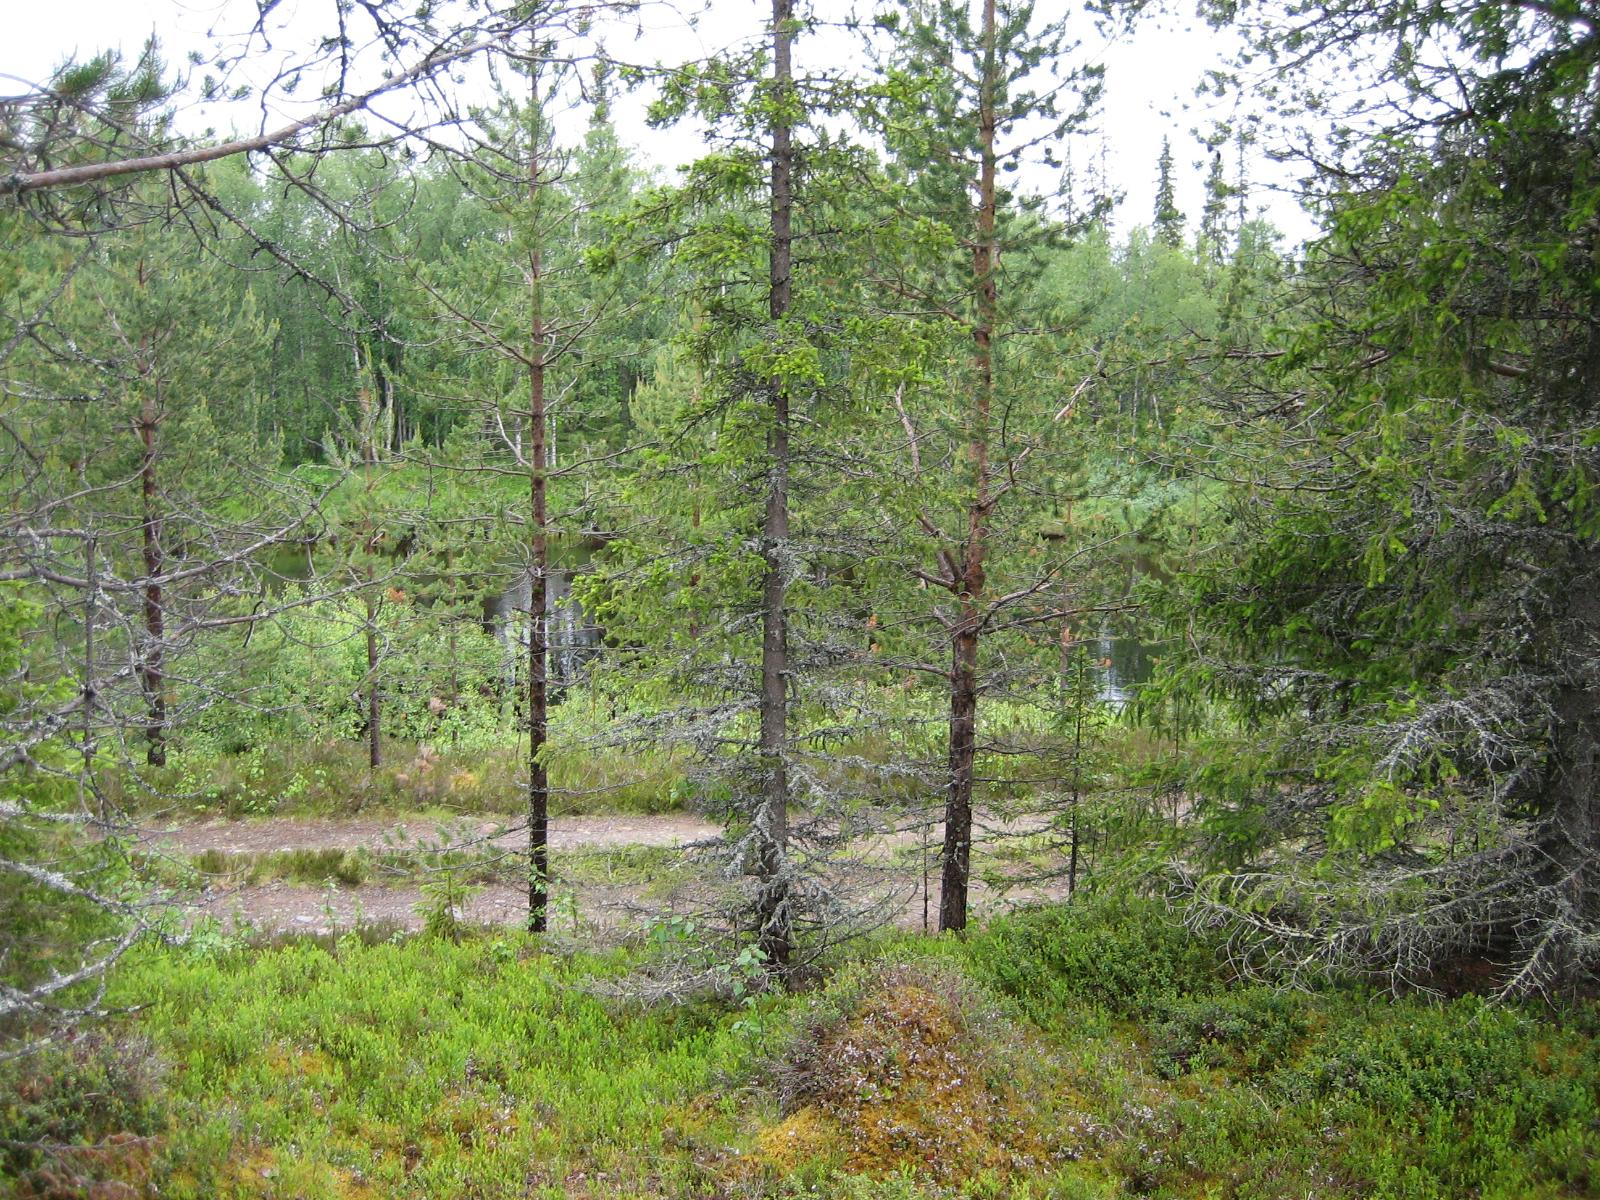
{"x": 1214, "y": 232}
{"x": 1407, "y": 627}
{"x": 1168, "y": 220}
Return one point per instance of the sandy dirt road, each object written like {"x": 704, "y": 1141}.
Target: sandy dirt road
{"x": 597, "y": 909}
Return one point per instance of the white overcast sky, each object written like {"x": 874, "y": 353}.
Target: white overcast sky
{"x": 1151, "y": 75}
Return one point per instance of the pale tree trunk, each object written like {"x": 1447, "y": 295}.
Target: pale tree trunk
{"x": 539, "y": 561}
{"x": 365, "y": 403}
{"x": 395, "y": 422}
{"x": 774, "y": 919}
{"x": 957, "y": 860}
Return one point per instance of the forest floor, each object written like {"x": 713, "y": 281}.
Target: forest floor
{"x": 1090, "y": 1051}
{"x": 613, "y": 875}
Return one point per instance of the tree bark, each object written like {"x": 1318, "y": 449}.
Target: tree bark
{"x": 374, "y": 696}
{"x": 774, "y": 920}
{"x": 152, "y": 663}
{"x": 1571, "y": 842}
{"x": 957, "y": 864}
{"x": 91, "y": 693}
{"x": 1073, "y": 693}
{"x": 539, "y": 557}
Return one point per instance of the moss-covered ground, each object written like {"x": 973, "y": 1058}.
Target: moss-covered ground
{"x": 1091, "y": 1053}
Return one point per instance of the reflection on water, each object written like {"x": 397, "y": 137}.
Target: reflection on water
{"x": 574, "y": 638}
{"x": 1122, "y": 663}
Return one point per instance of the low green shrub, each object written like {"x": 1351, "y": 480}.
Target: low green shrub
{"x": 426, "y": 1067}
{"x": 480, "y": 1064}
{"x": 76, "y": 1115}
{"x": 1249, "y": 1032}
{"x": 1125, "y": 955}
{"x": 1422, "y": 1055}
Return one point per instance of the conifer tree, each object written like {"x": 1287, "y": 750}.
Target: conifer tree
{"x": 966, "y": 102}
{"x": 1168, "y": 219}
{"x": 1214, "y": 219}
{"x": 737, "y": 586}
{"x": 529, "y": 342}
{"x": 1407, "y": 629}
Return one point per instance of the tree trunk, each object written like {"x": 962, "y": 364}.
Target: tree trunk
{"x": 366, "y": 403}
{"x": 957, "y": 859}
{"x": 1571, "y": 839}
{"x": 374, "y": 697}
{"x": 539, "y": 561}
{"x": 453, "y": 689}
{"x": 774, "y": 920}
{"x": 152, "y": 663}
{"x": 964, "y": 658}
{"x": 91, "y": 695}
{"x": 1073, "y": 693}
{"x": 396, "y": 422}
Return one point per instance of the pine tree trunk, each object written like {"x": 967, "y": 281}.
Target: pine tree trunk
{"x": 964, "y": 659}
{"x": 152, "y": 664}
{"x": 774, "y": 921}
{"x": 1074, "y": 693}
{"x": 374, "y": 697}
{"x": 957, "y": 859}
{"x": 539, "y": 562}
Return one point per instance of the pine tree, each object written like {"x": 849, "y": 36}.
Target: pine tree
{"x": 532, "y": 346}
{"x": 967, "y": 91}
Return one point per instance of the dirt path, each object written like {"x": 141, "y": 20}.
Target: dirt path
{"x": 596, "y": 912}
{"x": 400, "y": 832}
{"x": 586, "y": 908}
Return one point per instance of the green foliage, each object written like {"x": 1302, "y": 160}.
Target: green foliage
{"x": 444, "y": 1068}
{"x": 443, "y": 906}
{"x": 1249, "y": 1032}
{"x": 1382, "y": 614}
{"x": 302, "y": 677}
{"x": 349, "y": 867}
{"x": 1127, "y": 956}
{"x": 329, "y": 778}
{"x": 1395, "y": 611}
{"x": 81, "y": 1110}
{"x": 1168, "y": 219}
{"x": 425, "y": 1069}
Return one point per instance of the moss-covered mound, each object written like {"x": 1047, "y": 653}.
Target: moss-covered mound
{"x": 908, "y": 1067}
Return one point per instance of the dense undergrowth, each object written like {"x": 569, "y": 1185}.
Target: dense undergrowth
{"x": 325, "y": 773}
{"x": 1064, "y": 1053}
